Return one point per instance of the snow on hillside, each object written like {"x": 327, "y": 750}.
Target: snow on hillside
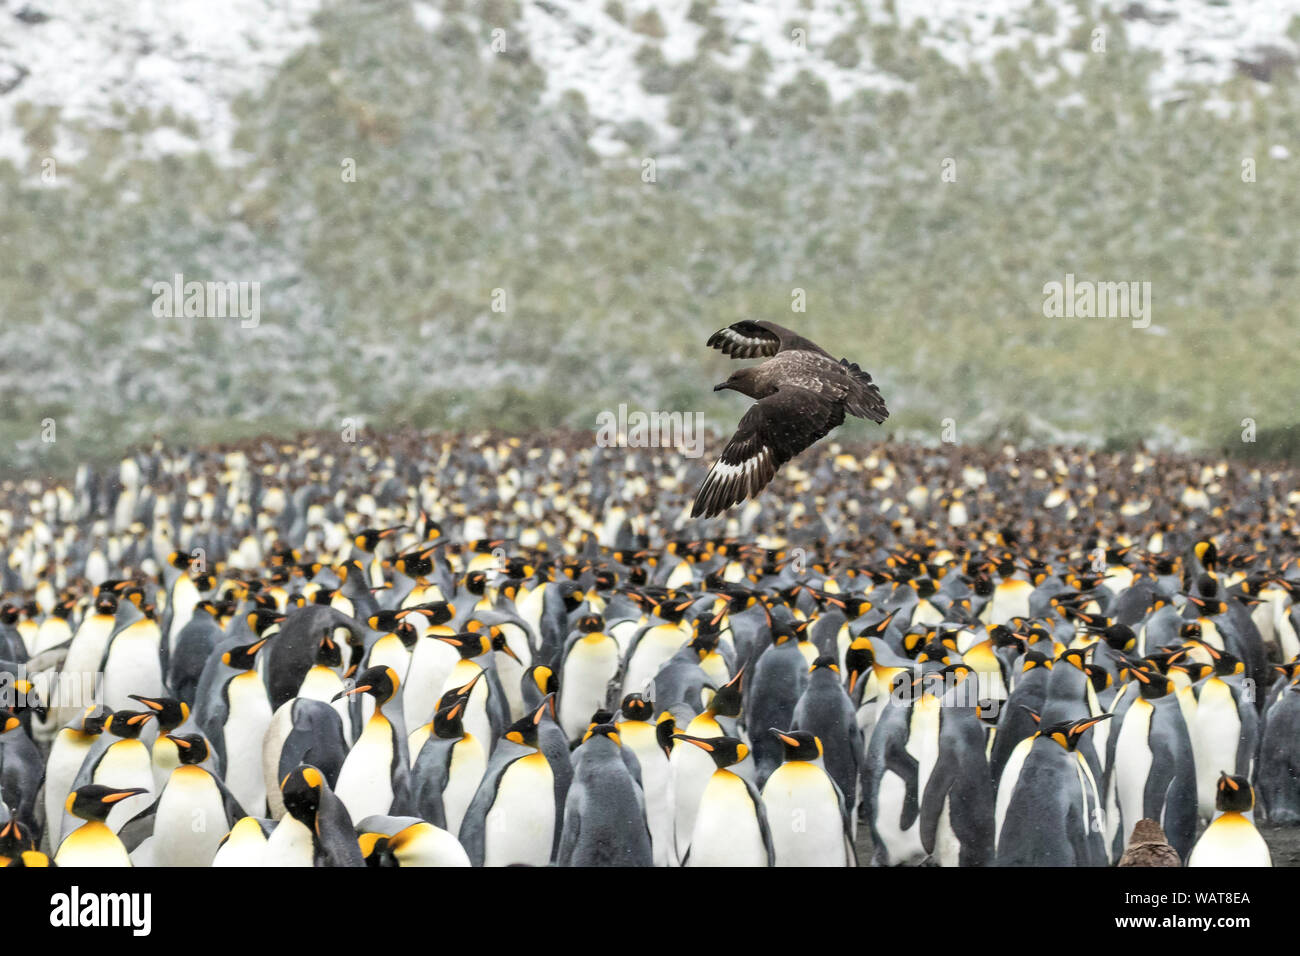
{"x": 583, "y": 48}
{"x": 94, "y": 58}
{"x": 100, "y": 60}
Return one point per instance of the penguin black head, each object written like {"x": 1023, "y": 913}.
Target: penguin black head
{"x": 603, "y": 730}
{"x": 1035, "y": 659}
{"x": 192, "y": 749}
{"x": 384, "y": 621}
{"x": 468, "y": 644}
{"x": 824, "y": 662}
{"x": 435, "y": 612}
{"x": 727, "y": 699}
{"x": 328, "y": 652}
{"x": 94, "y": 802}
{"x": 93, "y": 719}
{"x": 448, "y": 719}
{"x": 1207, "y": 554}
{"x": 523, "y": 731}
{"x": 934, "y": 651}
{"x": 636, "y": 707}
{"x": 543, "y": 679}
{"x": 858, "y": 659}
{"x": 725, "y": 751}
{"x": 705, "y": 642}
{"x": 1075, "y": 656}
{"x": 381, "y": 683}
{"x": 497, "y": 641}
{"x": 261, "y": 620}
{"x": 15, "y": 839}
{"x": 378, "y": 850}
{"x": 1234, "y": 794}
{"x": 127, "y": 724}
{"x": 26, "y": 700}
{"x": 1070, "y": 732}
{"x": 1119, "y": 637}
{"x": 1098, "y": 675}
{"x": 301, "y": 790}
{"x": 798, "y": 744}
{"x": 590, "y": 624}
{"x": 1226, "y": 664}
{"x": 1152, "y": 684}
{"x": 601, "y": 716}
{"x": 368, "y": 539}
{"x": 665, "y": 729}
{"x": 243, "y": 658}
{"x": 169, "y": 713}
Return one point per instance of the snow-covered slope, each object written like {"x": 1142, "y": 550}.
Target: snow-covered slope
{"x": 99, "y": 61}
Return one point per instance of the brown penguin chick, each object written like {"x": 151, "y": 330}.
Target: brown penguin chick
{"x": 1148, "y": 847}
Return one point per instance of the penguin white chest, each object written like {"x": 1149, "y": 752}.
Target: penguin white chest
{"x": 464, "y": 774}
{"x": 521, "y": 824}
{"x": 133, "y": 667}
{"x": 1231, "y": 840}
{"x": 126, "y": 765}
{"x": 587, "y": 671}
{"x": 66, "y": 756}
{"x": 727, "y": 831}
{"x": 190, "y": 820}
{"x": 290, "y": 844}
{"x": 366, "y": 779}
{"x": 803, "y": 813}
{"x": 1216, "y": 734}
{"x": 1133, "y": 759}
{"x": 244, "y": 733}
{"x": 92, "y": 844}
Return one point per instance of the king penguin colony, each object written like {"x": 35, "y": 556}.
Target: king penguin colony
{"x": 483, "y": 650}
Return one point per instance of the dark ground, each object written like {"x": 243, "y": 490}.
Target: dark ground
{"x": 1283, "y": 844}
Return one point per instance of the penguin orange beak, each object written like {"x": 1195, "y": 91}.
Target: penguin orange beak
{"x": 348, "y": 693}
{"x": 464, "y": 689}
{"x": 122, "y": 795}
{"x": 784, "y": 738}
{"x": 702, "y": 744}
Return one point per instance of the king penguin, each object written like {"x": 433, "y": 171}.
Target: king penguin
{"x": 94, "y": 843}
{"x": 124, "y": 764}
{"x": 512, "y": 818}
{"x": 731, "y": 827}
{"x": 1231, "y": 839}
{"x": 604, "y": 815}
{"x": 806, "y": 812}
{"x": 826, "y": 711}
{"x": 316, "y": 829}
{"x": 448, "y": 767}
{"x": 590, "y": 662}
{"x": 1048, "y": 807}
{"x": 638, "y": 734}
{"x": 194, "y": 812}
{"x": 68, "y": 751}
{"x": 375, "y": 778}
